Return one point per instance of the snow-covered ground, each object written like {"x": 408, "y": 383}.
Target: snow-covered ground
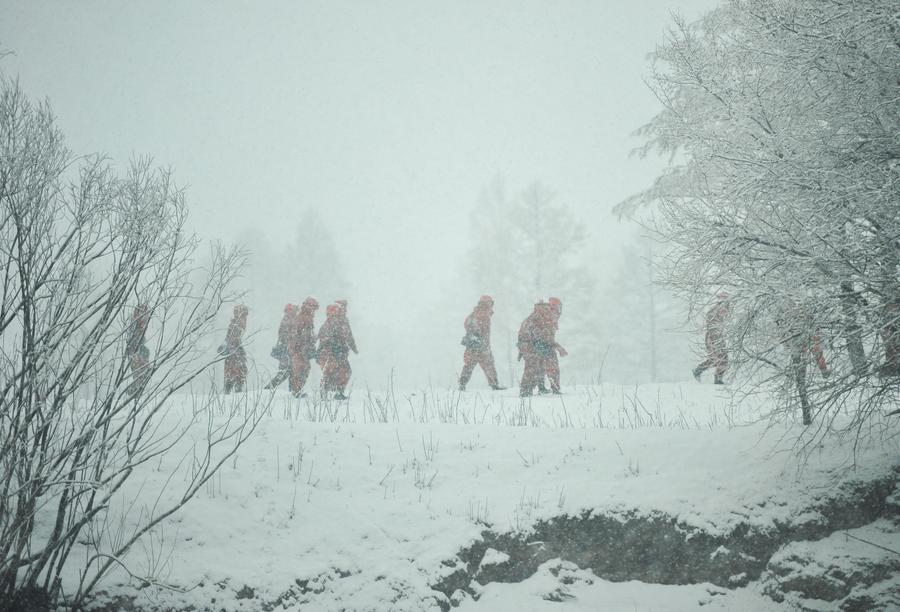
{"x": 358, "y": 505}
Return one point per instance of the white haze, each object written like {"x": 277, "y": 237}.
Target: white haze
{"x": 387, "y": 118}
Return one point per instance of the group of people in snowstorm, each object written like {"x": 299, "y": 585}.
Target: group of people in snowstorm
{"x": 797, "y": 330}
{"x": 298, "y": 344}
{"x": 536, "y": 342}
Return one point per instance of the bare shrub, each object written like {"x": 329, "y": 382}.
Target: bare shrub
{"x": 84, "y": 254}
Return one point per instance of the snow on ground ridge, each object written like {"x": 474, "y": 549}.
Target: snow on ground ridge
{"x": 363, "y": 502}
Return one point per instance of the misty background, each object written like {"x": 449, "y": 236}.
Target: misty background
{"x": 405, "y": 156}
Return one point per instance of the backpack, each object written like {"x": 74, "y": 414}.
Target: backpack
{"x": 472, "y": 341}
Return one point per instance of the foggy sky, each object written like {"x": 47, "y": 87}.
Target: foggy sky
{"x": 387, "y": 117}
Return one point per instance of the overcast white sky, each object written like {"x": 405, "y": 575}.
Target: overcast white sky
{"x": 389, "y": 117}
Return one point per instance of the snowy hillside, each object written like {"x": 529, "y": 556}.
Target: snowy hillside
{"x": 384, "y": 502}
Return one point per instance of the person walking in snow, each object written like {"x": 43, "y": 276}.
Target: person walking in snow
{"x": 802, "y": 340}
{"x": 280, "y": 351}
{"x": 235, "y": 356}
{"x": 344, "y": 324}
{"x": 335, "y": 340}
{"x": 536, "y": 342}
{"x": 136, "y": 352}
{"x": 301, "y": 345}
{"x": 716, "y": 348}
{"x": 533, "y": 367}
{"x": 477, "y": 341}
{"x": 551, "y": 358}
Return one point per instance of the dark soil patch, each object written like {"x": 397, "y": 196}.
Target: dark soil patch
{"x": 657, "y": 548}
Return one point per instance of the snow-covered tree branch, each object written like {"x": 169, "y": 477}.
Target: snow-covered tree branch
{"x": 782, "y": 120}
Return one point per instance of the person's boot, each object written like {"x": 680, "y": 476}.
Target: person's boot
{"x": 340, "y": 396}
{"x": 718, "y": 380}
{"x": 697, "y": 372}
{"x": 497, "y": 387}
{"x": 542, "y": 389}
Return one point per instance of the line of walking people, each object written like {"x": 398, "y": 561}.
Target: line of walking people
{"x": 296, "y": 346}
{"x": 536, "y": 342}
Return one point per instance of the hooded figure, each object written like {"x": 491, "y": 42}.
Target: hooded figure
{"x": 136, "y": 352}
{"x": 235, "y": 356}
{"x": 335, "y": 344}
{"x": 551, "y": 360}
{"x": 478, "y": 344}
{"x": 301, "y": 344}
{"x": 344, "y": 323}
{"x": 716, "y": 349}
{"x": 536, "y": 342}
{"x": 279, "y": 351}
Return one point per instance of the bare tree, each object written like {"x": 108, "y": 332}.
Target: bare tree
{"x": 783, "y": 117}
{"x": 80, "y": 250}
